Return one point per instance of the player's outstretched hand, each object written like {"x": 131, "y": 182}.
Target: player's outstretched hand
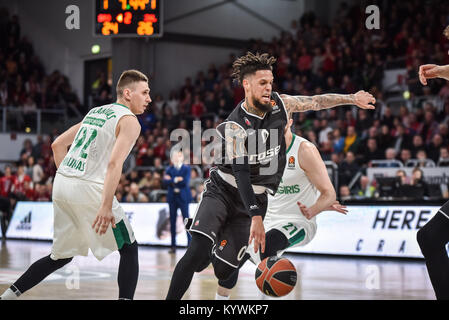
{"x": 102, "y": 220}
{"x": 364, "y": 100}
{"x": 336, "y": 206}
{"x": 257, "y": 233}
{"x": 428, "y": 71}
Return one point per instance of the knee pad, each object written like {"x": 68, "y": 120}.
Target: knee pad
{"x": 199, "y": 252}
{"x": 222, "y": 270}
{"x": 203, "y": 265}
{"x": 230, "y": 282}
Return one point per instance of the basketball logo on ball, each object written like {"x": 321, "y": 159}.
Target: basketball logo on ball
{"x": 275, "y": 276}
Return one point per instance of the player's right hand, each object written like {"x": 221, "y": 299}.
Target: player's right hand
{"x": 257, "y": 233}
{"x": 428, "y": 71}
{"x": 102, "y": 220}
{"x": 364, "y": 100}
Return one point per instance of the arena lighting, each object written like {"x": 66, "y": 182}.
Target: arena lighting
{"x": 95, "y": 49}
{"x": 406, "y": 94}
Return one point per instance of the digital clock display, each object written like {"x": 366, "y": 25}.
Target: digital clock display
{"x": 128, "y": 18}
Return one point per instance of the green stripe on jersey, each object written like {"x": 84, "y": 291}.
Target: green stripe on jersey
{"x": 121, "y": 234}
{"x": 297, "y": 238}
{"x": 119, "y": 104}
{"x": 291, "y": 144}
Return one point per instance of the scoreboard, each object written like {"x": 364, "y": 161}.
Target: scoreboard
{"x": 128, "y": 18}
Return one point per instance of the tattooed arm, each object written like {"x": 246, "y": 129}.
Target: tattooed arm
{"x": 235, "y": 151}
{"x": 361, "y": 99}
{"x": 235, "y": 141}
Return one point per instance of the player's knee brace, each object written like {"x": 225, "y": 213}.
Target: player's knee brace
{"x": 222, "y": 270}
{"x": 230, "y": 282}
{"x": 198, "y": 253}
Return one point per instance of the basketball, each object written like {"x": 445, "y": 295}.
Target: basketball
{"x": 275, "y": 276}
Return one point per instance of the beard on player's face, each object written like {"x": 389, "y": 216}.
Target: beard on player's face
{"x": 264, "y": 107}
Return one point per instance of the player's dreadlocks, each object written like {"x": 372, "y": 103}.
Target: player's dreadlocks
{"x": 446, "y": 32}
{"x": 250, "y": 63}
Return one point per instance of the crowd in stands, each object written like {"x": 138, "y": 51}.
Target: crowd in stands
{"x": 312, "y": 58}
{"x": 24, "y": 84}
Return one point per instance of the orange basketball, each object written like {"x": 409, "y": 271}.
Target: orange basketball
{"x": 276, "y": 276}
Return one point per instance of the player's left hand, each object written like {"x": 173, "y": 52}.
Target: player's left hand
{"x": 336, "y": 206}
{"x": 102, "y": 220}
{"x": 257, "y": 233}
{"x": 364, "y": 100}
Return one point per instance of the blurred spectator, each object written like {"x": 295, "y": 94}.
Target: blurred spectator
{"x": 418, "y": 181}
{"x": 38, "y": 171}
{"x": 345, "y": 193}
{"x": 348, "y": 168}
{"x": 134, "y": 176}
{"x": 421, "y": 156}
{"x": 351, "y": 140}
{"x": 27, "y": 149}
{"x": 21, "y": 178}
{"x": 404, "y": 179}
{"x": 135, "y": 195}
{"x": 366, "y": 189}
{"x": 405, "y": 156}
{"x": 29, "y": 166}
{"x": 429, "y": 127}
{"x": 325, "y": 130}
{"x": 403, "y": 140}
{"x": 42, "y": 193}
{"x": 372, "y": 152}
{"x": 417, "y": 144}
{"x": 147, "y": 160}
{"x": 390, "y": 154}
{"x": 198, "y": 108}
{"x": 443, "y": 160}
{"x": 7, "y": 182}
{"x": 433, "y": 149}
{"x": 384, "y": 139}
{"x": 338, "y": 141}
{"x": 177, "y": 181}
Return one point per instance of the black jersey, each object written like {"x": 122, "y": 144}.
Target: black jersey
{"x": 264, "y": 142}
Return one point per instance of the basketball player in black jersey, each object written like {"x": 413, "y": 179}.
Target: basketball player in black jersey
{"x": 434, "y": 236}
{"x": 233, "y": 204}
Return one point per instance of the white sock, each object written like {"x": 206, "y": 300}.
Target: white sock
{"x": 10, "y": 295}
{"x": 218, "y": 297}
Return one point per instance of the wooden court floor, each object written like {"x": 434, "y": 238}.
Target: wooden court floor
{"x": 319, "y": 278}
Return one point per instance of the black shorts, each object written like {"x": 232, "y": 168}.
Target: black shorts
{"x": 223, "y": 218}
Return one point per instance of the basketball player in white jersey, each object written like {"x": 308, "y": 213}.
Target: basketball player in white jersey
{"x": 83, "y": 192}
{"x": 305, "y": 191}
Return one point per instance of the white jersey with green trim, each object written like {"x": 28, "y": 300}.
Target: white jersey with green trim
{"x": 91, "y": 149}
{"x": 294, "y": 187}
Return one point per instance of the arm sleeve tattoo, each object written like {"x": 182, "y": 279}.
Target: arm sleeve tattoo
{"x": 315, "y": 103}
